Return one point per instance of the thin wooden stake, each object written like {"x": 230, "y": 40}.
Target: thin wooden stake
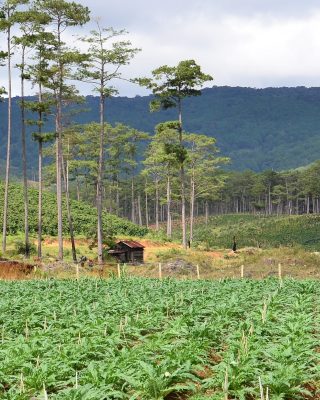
{"x": 22, "y": 388}
{"x": 76, "y": 386}
{"x": 242, "y": 271}
{"x": 77, "y": 272}
{"x": 198, "y": 271}
{"x": 160, "y": 271}
{"x": 226, "y": 385}
{"x": 45, "y": 394}
{"x": 119, "y": 271}
{"x": 264, "y": 313}
{"x": 280, "y": 271}
{"x": 261, "y": 389}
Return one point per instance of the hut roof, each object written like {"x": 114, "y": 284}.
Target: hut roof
{"x": 132, "y": 244}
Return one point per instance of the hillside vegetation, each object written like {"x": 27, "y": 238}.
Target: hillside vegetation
{"x": 258, "y": 128}
{"x": 259, "y": 231}
{"x": 84, "y": 216}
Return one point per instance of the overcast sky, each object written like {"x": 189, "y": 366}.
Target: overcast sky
{"x": 256, "y": 43}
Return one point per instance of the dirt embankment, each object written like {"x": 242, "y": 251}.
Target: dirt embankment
{"x": 14, "y": 270}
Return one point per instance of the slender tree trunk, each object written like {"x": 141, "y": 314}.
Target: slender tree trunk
{"x": 59, "y": 180}
{"x": 182, "y": 185}
{"x": 59, "y": 146}
{"x": 6, "y": 190}
{"x": 40, "y": 185}
{"x": 192, "y": 206}
{"x": 146, "y": 206}
{"x": 99, "y": 179}
{"x": 207, "y": 212}
{"x": 169, "y": 230}
{"x": 73, "y": 245}
{"x": 24, "y": 160}
{"x": 133, "y": 214}
{"x": 78, "y": 188}
{"x": 118, "y": 197}
{"x": 157, "y": 206}
{"x": 139, "y": 210}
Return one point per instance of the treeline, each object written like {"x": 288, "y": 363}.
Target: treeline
{"x": 145, "y": 187}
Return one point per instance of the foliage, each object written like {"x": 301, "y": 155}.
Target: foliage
{"x": 84, "y": 216}
{"x": 259, "y": 231}
{"x": 258, "y": 128}
{"x": 20, "y": 247}
{"x": 228, "y": 339}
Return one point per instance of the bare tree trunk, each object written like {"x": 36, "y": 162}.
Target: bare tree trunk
{"x": 192, "y": 206}
{"x": 169, "y": 230}
{"x": 99, "y": 180}
{"x": 59, "y": 180}
{"x": 6, "y": 190}
{"x": 73, "y": 245}
{"x": 157, "y": 206}
{"x": 24, "y": 160}
{"x": 207, "y": 212}
{"x": 40, "y": 185}
{"x": 78, "y": 188}
{"x": 139, "y": 210}
{"x": 147, "y": 206}
{"x": 133, "y": 216}
{"x": 118, "y": 197}
{"x": 182, "y": 186}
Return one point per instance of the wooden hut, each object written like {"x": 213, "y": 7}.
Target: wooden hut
{"x": 128, "y": 251}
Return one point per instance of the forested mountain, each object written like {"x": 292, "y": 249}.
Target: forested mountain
{"x": 259, "y": 129}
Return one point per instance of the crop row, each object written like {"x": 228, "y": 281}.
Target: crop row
{"x": 84, "y": 216}
{"x": 150, "y": 339}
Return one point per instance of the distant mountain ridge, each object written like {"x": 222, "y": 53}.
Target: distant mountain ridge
{"x": 276, "y": 128}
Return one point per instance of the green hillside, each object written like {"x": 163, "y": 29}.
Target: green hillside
{"x": 276, "y": 128}
{"x": 266, "y": 232}
{"x": 84, "y": 216}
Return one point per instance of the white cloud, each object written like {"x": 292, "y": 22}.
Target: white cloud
{"x": 240, "y": 42}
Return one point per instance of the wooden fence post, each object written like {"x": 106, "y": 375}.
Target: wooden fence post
{"x": 160, "y": 271}
{"x": 242, "y": 271}
{"x": 198, "y": 271}
{"x": 280, "y": 271}
{"x": 119, "y": 271}
{"x": 77, "y": 272}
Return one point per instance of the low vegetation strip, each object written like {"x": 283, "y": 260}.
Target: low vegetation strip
{"x": 259, "y": 231}
{"x": 136, "y": 338}
{"x": 84, "y": 216}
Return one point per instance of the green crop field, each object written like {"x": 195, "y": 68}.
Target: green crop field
{"x": 151, "y": 339}
{"x": 259, "y": 231}
{"x": 84, "y": 216}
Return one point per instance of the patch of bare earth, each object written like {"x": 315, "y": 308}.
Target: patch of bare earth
{"x": 14, "y": 270}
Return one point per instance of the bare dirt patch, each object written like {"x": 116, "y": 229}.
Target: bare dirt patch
{"x": 14, "y": 270}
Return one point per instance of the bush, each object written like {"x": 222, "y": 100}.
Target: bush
{"x": 20, "y": 248}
